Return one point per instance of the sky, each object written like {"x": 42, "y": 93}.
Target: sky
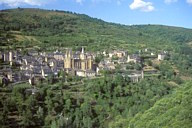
{"x": 128, "y": 12}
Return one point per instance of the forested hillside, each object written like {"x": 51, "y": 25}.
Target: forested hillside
{"x": 67, "y": 29}
{"x": 112, "y": 99}
{"x": 173, "y": 111}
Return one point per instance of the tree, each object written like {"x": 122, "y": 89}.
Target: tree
{"x": 51, "y": 79}
{"x": 62, "y": 75}
{"x": 40, "y": 115}
{"x": 54, "y": 124}
{"x": 27, "y": 118}
{"x": 68, "y": 104}
{"x": 87, "y": 122}
{"x": 138, "y": 66}
{"x": 98, "y": 58}
{"x": 149, "y": 63}
{"x": 5, "y": 114}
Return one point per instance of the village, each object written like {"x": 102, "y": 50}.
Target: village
{"x": 35, "y": 66}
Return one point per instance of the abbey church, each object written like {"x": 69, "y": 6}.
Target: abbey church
{"x": 80, "y": 62}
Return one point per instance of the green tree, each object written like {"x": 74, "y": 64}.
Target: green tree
{"x": 40, "y": 115}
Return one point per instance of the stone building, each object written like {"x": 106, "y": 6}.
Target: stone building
{"x": 78, "y": 61}
{"x": 161, "y": 56}
{"x": 133, "y": 58}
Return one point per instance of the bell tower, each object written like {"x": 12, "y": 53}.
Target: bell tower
{"x": 82, "y": 55}
{"x": 68, "y": 59}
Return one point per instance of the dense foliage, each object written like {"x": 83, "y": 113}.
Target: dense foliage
{"x": 173, "y": 111}
{"x": 60, "y": 28}
{"x": 93, "y": 104}
{"x": 109, "y": 101}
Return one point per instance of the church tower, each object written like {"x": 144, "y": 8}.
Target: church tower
{"x": 83, "y": 59}
{"x": 82, "y": 55}
{"x": 90, "y": 62}
{"x": 68, "y": 59}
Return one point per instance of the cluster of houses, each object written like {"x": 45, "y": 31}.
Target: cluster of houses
{"x": 39, "y": 65}
{"x": 35, "y": 66}
{"x": 123, "y": 58}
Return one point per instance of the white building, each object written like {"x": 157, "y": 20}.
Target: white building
{"x": 87, "y": 73}
{"x": 133, "y": 58}
{"x": 152, "y": 54}
{"x": 111, "y": 54}
{"x": 161, "y": 56}
{"x": 135, "y": 77}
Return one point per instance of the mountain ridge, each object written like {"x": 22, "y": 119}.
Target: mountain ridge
{"x": 68, "y": 29}
{"x": 110, "y": 22}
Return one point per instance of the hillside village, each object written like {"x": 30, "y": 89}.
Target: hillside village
{"x": 62, "y": 69}
{"x": 35, "y": 66}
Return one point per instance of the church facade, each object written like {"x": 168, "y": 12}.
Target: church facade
{"x": 79, "y": 62}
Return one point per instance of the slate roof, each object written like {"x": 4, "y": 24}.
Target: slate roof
{"x": 47, "y": 70}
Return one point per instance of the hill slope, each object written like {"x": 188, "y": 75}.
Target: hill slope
{"x": 60, "y": 28}
{"x": 173, "y": 111}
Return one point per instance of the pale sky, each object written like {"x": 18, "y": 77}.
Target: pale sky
{"x": 128, "y": 12}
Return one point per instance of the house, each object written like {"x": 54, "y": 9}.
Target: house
{"x": 7, "y": 72}
{"x": 161, "y": 56}
{"x": 5, "y": 81}
{"x": 52, "y": 62}
{"x": 104, "y": 53}
{"x": 18, "y": 61}
{"x": 24, "y": 67}
{"x": 121, "y": 61}
{"x": 34, "y": 64}
{"x": 111, "y": 54}
{"x": 32, "y": 91}
{"x": 136, "y": 77}
{"x": 10, "y": 76}
{"x": 98, "y": 69}
{"x": 10, "y": 56}
{"x": 70, "y": 71}
{"x": 60, "y": 64}
{"x": 42, "y": 54}
{"x": 27, "y": 60}
{"x": 31, "y": 80}
{"x": 110, "y": 66}
{"x": 36, "y": 70}
{"x": 46, "y": 71}
{"x": 21, "y": 76}
{"x": 146, "y": 49}
{"x": 121, "y": 54}
{"x": 5, "y": 56}
{"x": 33, "y": 53}
{"x": 35, "y": 79}
{"x": 28, "y": 73}
{"x": 80, "y": 73}
{"x": 58, "y": 55}
{"x": 101, "y": 64}
{"x": 17, "y": 76}
{"x": 56, "y": 70}
{"x": 40, "y": 59}
{"x": 90, "y": 73}
{"x": 87, "y": 73}
{"x": 152, "y": 54}
{"x": 108, "y": 61}
{"x": 133, "y": 58}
